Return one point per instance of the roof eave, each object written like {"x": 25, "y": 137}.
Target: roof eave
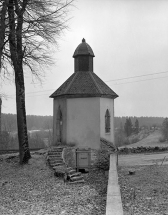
{"x": 84, "y": 96}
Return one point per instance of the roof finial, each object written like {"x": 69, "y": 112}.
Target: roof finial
{"x": 83, "y": 40}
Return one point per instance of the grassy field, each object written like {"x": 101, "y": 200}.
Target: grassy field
{"x": 145, "y": 192}
{"x": 33, "y": 189}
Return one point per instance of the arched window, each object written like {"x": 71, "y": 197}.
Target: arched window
{"x": 59, "y": 115}
{"x": 59, "y": 125}
{"x": 107, "y": 121}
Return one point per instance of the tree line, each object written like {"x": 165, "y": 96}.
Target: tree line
{"x": 143, "y": 121}
{"x": 36, "y": 122}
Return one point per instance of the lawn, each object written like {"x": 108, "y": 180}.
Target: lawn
{"x": 145, "y": 192}
{"x": 33, "y": 189}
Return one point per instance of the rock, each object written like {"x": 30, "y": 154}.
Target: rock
{"x": 131, "y": 172}
{"x": 59, "y": 174}
{"x": 80, "y": 181}
{"x": 74, "y": 174}
{"x": 76, "y": 178}
{"x": 71, "y": 172}
{"x": 56, "y": 164}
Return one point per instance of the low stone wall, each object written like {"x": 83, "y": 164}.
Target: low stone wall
{"x": 113, "y": 202}
{"x": 142, "y": 149}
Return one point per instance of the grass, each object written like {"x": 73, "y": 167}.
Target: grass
{"x": 146, "y": 192}
{"x": 33, "y": 189}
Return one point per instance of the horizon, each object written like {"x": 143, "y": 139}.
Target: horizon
{"x": 114, "y": 116}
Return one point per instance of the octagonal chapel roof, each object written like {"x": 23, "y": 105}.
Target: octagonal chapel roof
{"x": 84, "y": 83}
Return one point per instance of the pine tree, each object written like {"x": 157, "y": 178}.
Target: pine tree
{"x": 165, "y": 128}
{"x": 136, "y": 126}
{"x": 128, "y": 127}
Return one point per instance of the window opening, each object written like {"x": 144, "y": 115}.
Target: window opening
{"x": 107, "y": 121}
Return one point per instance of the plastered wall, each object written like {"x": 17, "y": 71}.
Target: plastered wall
{"x": 83, "y": 122}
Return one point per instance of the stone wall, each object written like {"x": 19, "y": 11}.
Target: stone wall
{"x": 142, "y": 149}
{"x": 69, "y": 153}
{"x": 69, "y": 156}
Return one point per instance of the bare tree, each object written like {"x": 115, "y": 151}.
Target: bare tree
{"x": 3, "y": 11}
{"x": 31, "y": 27}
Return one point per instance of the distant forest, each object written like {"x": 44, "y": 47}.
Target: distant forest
{"x": 9, "y": 122}
{"x": 34, "y": 122}
{"x": 143, "y": 121}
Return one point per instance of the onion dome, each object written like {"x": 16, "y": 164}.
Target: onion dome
{"x": 83, "y": 49}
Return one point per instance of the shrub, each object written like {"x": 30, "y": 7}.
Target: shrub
{"x": 134, "y": 140}
{"x": 165, "y": 128}
{"x": 119, "y": 137}
{"x": 126, "y": 141}
{"x": 162, "y": 139}
{"x": 142, "y": 149}
{"x": 103, "y": 159}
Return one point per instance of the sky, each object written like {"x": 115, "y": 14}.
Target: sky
{"x": 130, "y": 41}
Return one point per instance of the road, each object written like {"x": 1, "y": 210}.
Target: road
{"x": 142, "y": 159}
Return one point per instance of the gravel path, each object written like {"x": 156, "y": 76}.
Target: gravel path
{"x": 146, "y": 192}
{"x": 33, "y": 189}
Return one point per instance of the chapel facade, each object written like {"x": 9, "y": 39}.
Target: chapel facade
{"x": 83, "y": 109}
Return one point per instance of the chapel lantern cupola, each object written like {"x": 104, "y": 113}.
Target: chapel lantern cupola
{"x": 83, "y": 57}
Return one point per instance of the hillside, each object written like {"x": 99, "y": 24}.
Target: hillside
{"x": 152, "y": 140}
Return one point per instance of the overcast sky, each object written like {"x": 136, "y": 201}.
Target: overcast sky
{"x": 129, "y": 39}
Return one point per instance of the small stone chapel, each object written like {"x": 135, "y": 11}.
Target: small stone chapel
{"x": 83, "y": 105}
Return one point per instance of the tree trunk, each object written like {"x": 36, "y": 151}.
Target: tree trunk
{"x": 24, "y": 152}
{"x": 15, "y": 41}
{"x": 0, "y": 121}
{"x": 2, "y": 28}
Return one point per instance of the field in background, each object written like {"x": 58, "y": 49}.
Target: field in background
{"x": 150, "y": 140}
{"x": 37, "y": 139}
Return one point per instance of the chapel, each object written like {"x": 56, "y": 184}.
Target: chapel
{"x": 83, "y": 106}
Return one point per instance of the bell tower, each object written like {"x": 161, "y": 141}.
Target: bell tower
{"x": 83, "y": 57}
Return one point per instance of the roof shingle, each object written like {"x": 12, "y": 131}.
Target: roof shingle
{"x": 84, "y": 84}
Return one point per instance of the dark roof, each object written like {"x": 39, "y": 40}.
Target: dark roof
{"x": 83, "y": 49}
{"x": 84, "y": 84}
